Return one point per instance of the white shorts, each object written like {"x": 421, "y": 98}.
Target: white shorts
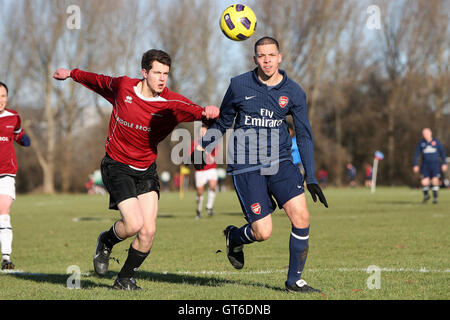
{"x": 8, "y": 186}
{"x": 202, "y": 177}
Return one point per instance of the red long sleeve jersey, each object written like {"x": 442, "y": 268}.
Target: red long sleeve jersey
{"x": 137, "y": 123}
{"x": 10, "y": 131}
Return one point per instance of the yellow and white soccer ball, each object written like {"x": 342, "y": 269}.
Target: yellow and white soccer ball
{"x": 238, "y": 22}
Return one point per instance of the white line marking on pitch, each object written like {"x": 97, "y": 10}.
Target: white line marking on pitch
{"x": 23, "y": 273}
{"x": 212, "y": 272}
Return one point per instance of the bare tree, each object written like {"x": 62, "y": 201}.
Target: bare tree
{"x": 46, "y": 42}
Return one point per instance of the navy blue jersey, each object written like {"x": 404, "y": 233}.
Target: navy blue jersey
{"x": 261, "y": 136}
{"x": 432, "y": 152}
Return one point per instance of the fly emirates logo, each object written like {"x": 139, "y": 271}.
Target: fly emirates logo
{"x": 264, "y": 121}
{"x": 4, "y": 139}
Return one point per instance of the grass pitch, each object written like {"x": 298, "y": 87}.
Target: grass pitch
{"x": 392, "y": 230}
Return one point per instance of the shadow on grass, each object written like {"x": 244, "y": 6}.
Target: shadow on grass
{"x": 166, "y": 215}
{"x": 62, "y": 279}
{"x": 58, "y": 279}
{"x": 397, "y": 202}
{"x": 233, "y": 214}
{"x": 198, "y": 280}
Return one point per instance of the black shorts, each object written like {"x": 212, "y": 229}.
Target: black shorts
{"x": 124, "y": 182}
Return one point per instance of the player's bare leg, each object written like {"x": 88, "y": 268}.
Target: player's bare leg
{"x": 142, "y": 243}
{"x": 131, "y": 222}
{"x": 149, "y": 208}
{"x": 262, "y": 228}
{"x": 298, "y": 213}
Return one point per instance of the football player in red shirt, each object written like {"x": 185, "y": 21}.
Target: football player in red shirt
{"x": 10, "y": 131}
{"x": 144, "y": 112}
{"x": 206, "y": 174}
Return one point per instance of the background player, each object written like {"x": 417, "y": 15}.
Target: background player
{"x": 351, "y": 175}
{"x": 10, "y": 131}
{"x": 296, "y": 159}
{"x": 433, "y": 161}
{"x": 207, "y": 174}
{"x": 129, "y": 167}
{"x": 257, "y": 102}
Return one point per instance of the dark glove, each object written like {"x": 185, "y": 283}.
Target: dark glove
{"x": 315, "y": 190}
{"x": 25, "y": 141}
{"x": 198, "y": 159}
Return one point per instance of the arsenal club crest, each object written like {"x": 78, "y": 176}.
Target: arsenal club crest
{"x": 433, "y": 143}
{"x": 256, "y": 208}
{"x": 283, "y": 101}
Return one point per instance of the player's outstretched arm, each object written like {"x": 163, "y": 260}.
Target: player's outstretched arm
{"x": 316, "y": 192}
{"x": 61, "y": 74}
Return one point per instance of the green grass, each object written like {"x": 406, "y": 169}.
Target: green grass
{"x": 391, "y": 229}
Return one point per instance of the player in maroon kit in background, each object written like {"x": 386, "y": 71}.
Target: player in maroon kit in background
{"x": 10, "y": 131}
{"x": 206, "y": 174}
{"x": 144, "y": 112}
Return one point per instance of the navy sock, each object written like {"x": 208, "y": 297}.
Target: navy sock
{"x": 134, "y": 260}
{"x": 435, "y": 191}
{"x": 298, "y": 251}
{"x": 425, "y": 190}
{"x": 242, "y": 235}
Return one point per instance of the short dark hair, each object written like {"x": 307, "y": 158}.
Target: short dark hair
{"x": 4, "y": 85}
{"x": 266, "y": 40}
{"x": 155, "y": 55}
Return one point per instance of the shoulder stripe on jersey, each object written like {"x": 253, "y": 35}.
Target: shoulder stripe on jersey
{"x": 187, "y": 103}
{"x": 162, "y": 99}
{"x": 18, "y": 131}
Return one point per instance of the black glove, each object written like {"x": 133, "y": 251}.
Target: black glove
{"x": 197, "y": 156}
{"x": 315, "y": 190}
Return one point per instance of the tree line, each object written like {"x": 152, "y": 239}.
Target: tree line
{"x": 375, "y": 73}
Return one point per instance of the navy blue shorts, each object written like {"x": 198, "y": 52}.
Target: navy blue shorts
{"x": 430, "y": 171}
{"x": 257, "y": 193}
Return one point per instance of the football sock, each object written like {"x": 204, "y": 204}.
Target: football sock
{"x": 435, "y": 190}
{"x": 133, "y": 262}
{"x": 425, "y": 190}
{"x": 242, "y": 235}
{"x": 199, "y": 200}
{"x": 110, "y": 238}
{"x": 6, "y": 236}
{"x": 211, "y": 197}
{"x": 298, "y": 251}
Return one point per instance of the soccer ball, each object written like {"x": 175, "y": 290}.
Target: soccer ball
{"x": 238, "y": 22}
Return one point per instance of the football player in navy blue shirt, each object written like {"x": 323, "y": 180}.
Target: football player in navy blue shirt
{"x": 259, "y": 157}
{"x": 433, "y": 161}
